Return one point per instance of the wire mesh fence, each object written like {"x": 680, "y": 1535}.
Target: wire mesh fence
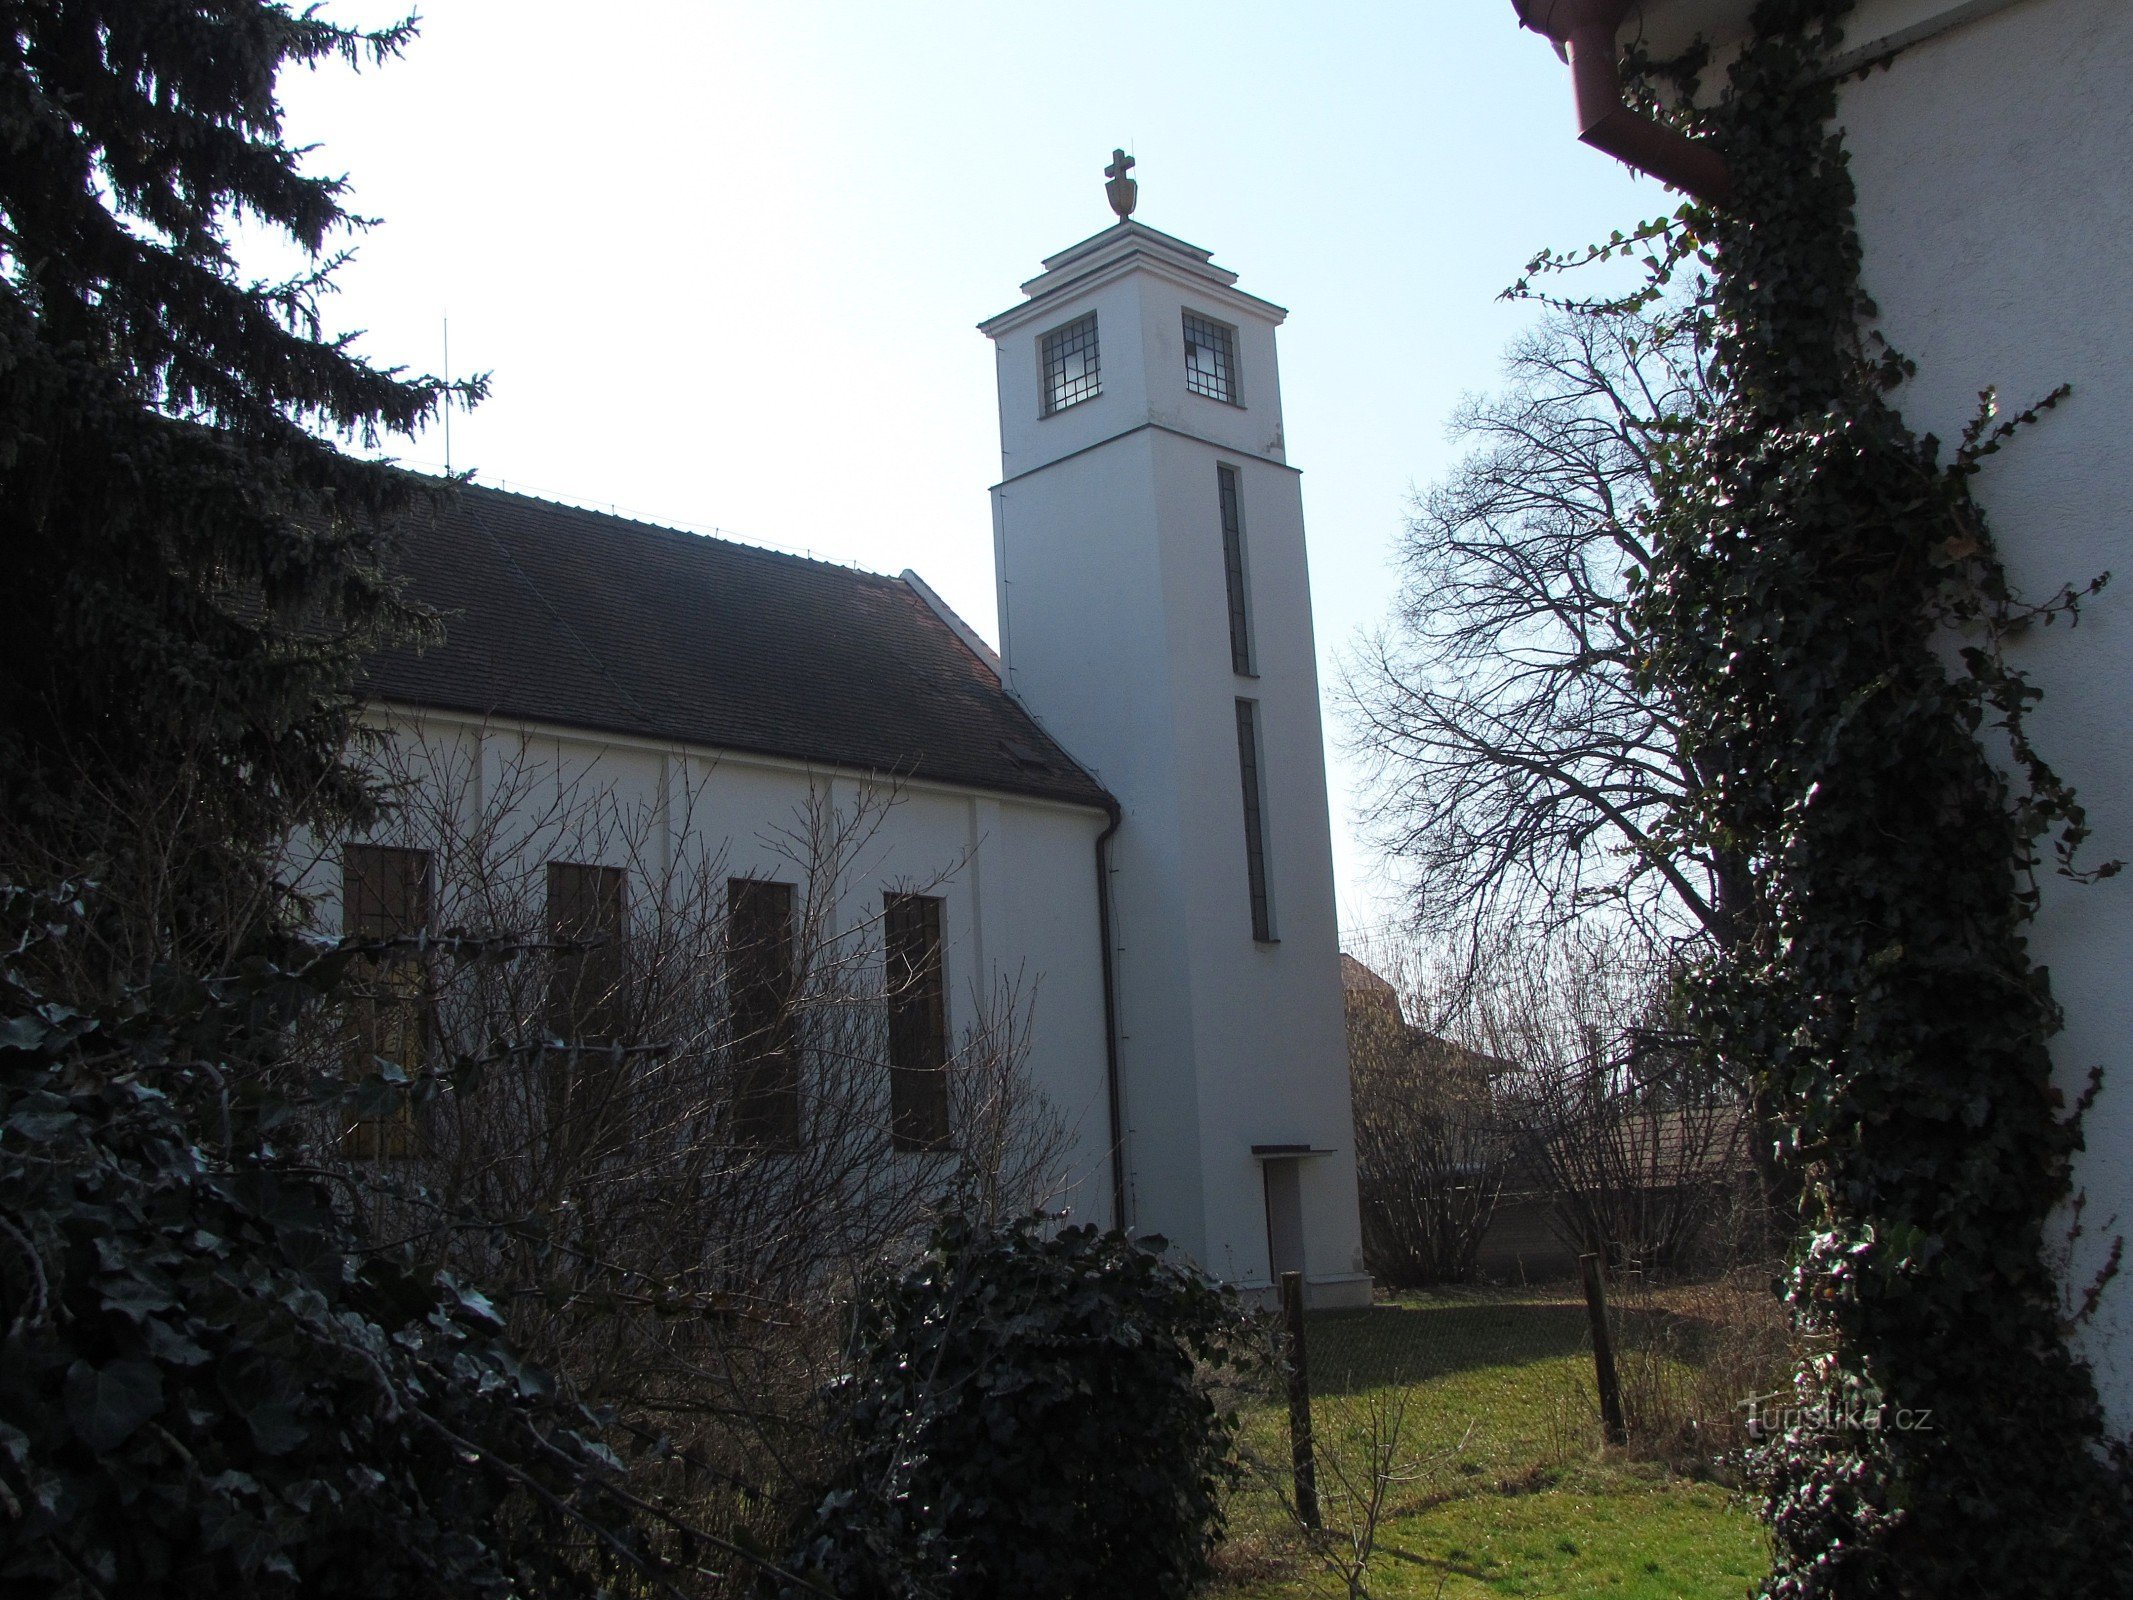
{"x": 1449, "y": 1405}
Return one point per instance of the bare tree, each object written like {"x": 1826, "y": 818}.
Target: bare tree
{"x": 662, "y": 1129}
{"x": 1431, "y": 1147}
{"x": 1640, "y": 1146}
{"x": 1644, "y": 1174}
{"x": 1366, "y": 1465}
{"x": 1360, "y": 1475}
{"x": 1521, "y": 770}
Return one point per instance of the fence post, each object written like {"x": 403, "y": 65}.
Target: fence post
{"x": 1301, "y": 1457}
{"x": 1603, "y": 1353}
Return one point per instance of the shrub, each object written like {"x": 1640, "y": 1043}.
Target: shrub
{"x": 1431, "y": 1150}
{"x": 1025, "y": 1415}
{"x": 208, "y": 1384}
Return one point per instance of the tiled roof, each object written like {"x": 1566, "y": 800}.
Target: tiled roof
{"x": 561, "y": 615}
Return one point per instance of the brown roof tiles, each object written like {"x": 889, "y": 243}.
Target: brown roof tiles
{"x": 562, "y": 615}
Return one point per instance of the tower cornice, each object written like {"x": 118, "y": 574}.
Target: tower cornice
{"x": 1230, "y": 450}
{"x": 1127, "y": 234}
{"x": 1125, "y": 247}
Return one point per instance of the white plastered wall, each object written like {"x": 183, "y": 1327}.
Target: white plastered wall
{"x": 1992, "y": 155}
{"x": 1114, "y": 628}
{"x": 1017, "y": 874}
{"x": 1996, "y": 213}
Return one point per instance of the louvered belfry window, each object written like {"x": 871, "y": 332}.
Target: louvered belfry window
{"x": 760, "y": 995}
{"x": 918, "y": 1022}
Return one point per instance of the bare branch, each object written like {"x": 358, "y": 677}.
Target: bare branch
{"x": 567, "y": 1119}
{"x": 1520, "y": 769}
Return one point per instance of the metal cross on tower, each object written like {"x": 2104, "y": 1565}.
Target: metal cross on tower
{"x": 1121, "y": 191}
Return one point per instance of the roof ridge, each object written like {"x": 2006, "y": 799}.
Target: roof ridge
{"x": 673, "y": 531}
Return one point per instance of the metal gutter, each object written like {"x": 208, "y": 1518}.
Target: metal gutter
{"x": 1112, "y": 1088}
{"x": 1584, "y": 32}
{"x": 474, "y": 719}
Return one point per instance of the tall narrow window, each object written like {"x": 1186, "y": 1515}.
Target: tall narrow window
{"x": 1240, "y": 622}
{"x": 1210, "y": 358}
{"x": 918, "y": 1022}
{"x": 1071, "y": 373}
{"x": 759, "y": 1006}
{"x": 588, "y": 999}
{"x": 587, "y": 983}
{"x": 385, "y": 894}
{"x": 1254, "y": 819}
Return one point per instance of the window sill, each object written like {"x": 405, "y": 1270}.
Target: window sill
{"x": 1060, "y": 411}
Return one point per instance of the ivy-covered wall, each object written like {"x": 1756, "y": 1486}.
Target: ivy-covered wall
{"x": 1994, "y": 212}
{"x": 1828, "y": 609}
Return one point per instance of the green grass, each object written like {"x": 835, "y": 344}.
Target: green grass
{"x": 1504, "y": 1488}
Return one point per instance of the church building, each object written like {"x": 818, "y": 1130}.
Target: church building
{"x": 1122, "y": 812}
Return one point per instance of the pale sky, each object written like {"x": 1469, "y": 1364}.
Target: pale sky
{"x": 724, "y": 260}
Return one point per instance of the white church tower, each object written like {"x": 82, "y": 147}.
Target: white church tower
{"x": 1155, "y": 617}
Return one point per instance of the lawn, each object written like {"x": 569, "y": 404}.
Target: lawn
{"x": 1500, "y": 1485}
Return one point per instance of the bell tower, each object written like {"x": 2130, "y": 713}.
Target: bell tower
{"x": 1155, "y": 616}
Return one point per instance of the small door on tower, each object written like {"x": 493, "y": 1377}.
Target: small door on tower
{"x": 1284, "y": 1216}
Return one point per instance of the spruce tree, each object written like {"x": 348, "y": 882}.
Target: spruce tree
{"x": 194, "y": 559}
{"x": 211, "y": 1382}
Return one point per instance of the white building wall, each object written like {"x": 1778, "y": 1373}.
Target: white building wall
{"x": 1114, "y": 628}
{"x": 1017, "y": 874}
{"x": 1993, "y": 156}
{"x": 1272, "y": 1044}
{"x": 1996, "y": 212}
{"x": 1088, "y": 546}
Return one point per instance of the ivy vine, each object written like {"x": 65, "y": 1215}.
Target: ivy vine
{"x": 1827, "y": 610}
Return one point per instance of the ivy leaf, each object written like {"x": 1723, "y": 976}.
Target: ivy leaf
{"x": 41, "y": 1116}
{"x": 107, "y": 1404}
{"x": 276, "y": 1428}
{"x": 23, "y": 1033}
{"x": 135, "y": 1296}
{"x": 475, "y": 1305}
{"x": 171, "y": 1346}
{"x": 41, "y": 1127}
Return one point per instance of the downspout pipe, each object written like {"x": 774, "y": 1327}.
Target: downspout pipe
{"x": 1584, "y": 32}
{"x": 1110, "y": 984}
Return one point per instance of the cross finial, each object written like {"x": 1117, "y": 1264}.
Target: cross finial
{"x": 1121, "y": 191}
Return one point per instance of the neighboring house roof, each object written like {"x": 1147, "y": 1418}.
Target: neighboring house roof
{"x": 1636, "y": 1148}
{"x": 1446, "y": 1055}
{"x": 561, "y": 615}
{"x": 1361, "y": 986}
{"x": 1368, "y": 991}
